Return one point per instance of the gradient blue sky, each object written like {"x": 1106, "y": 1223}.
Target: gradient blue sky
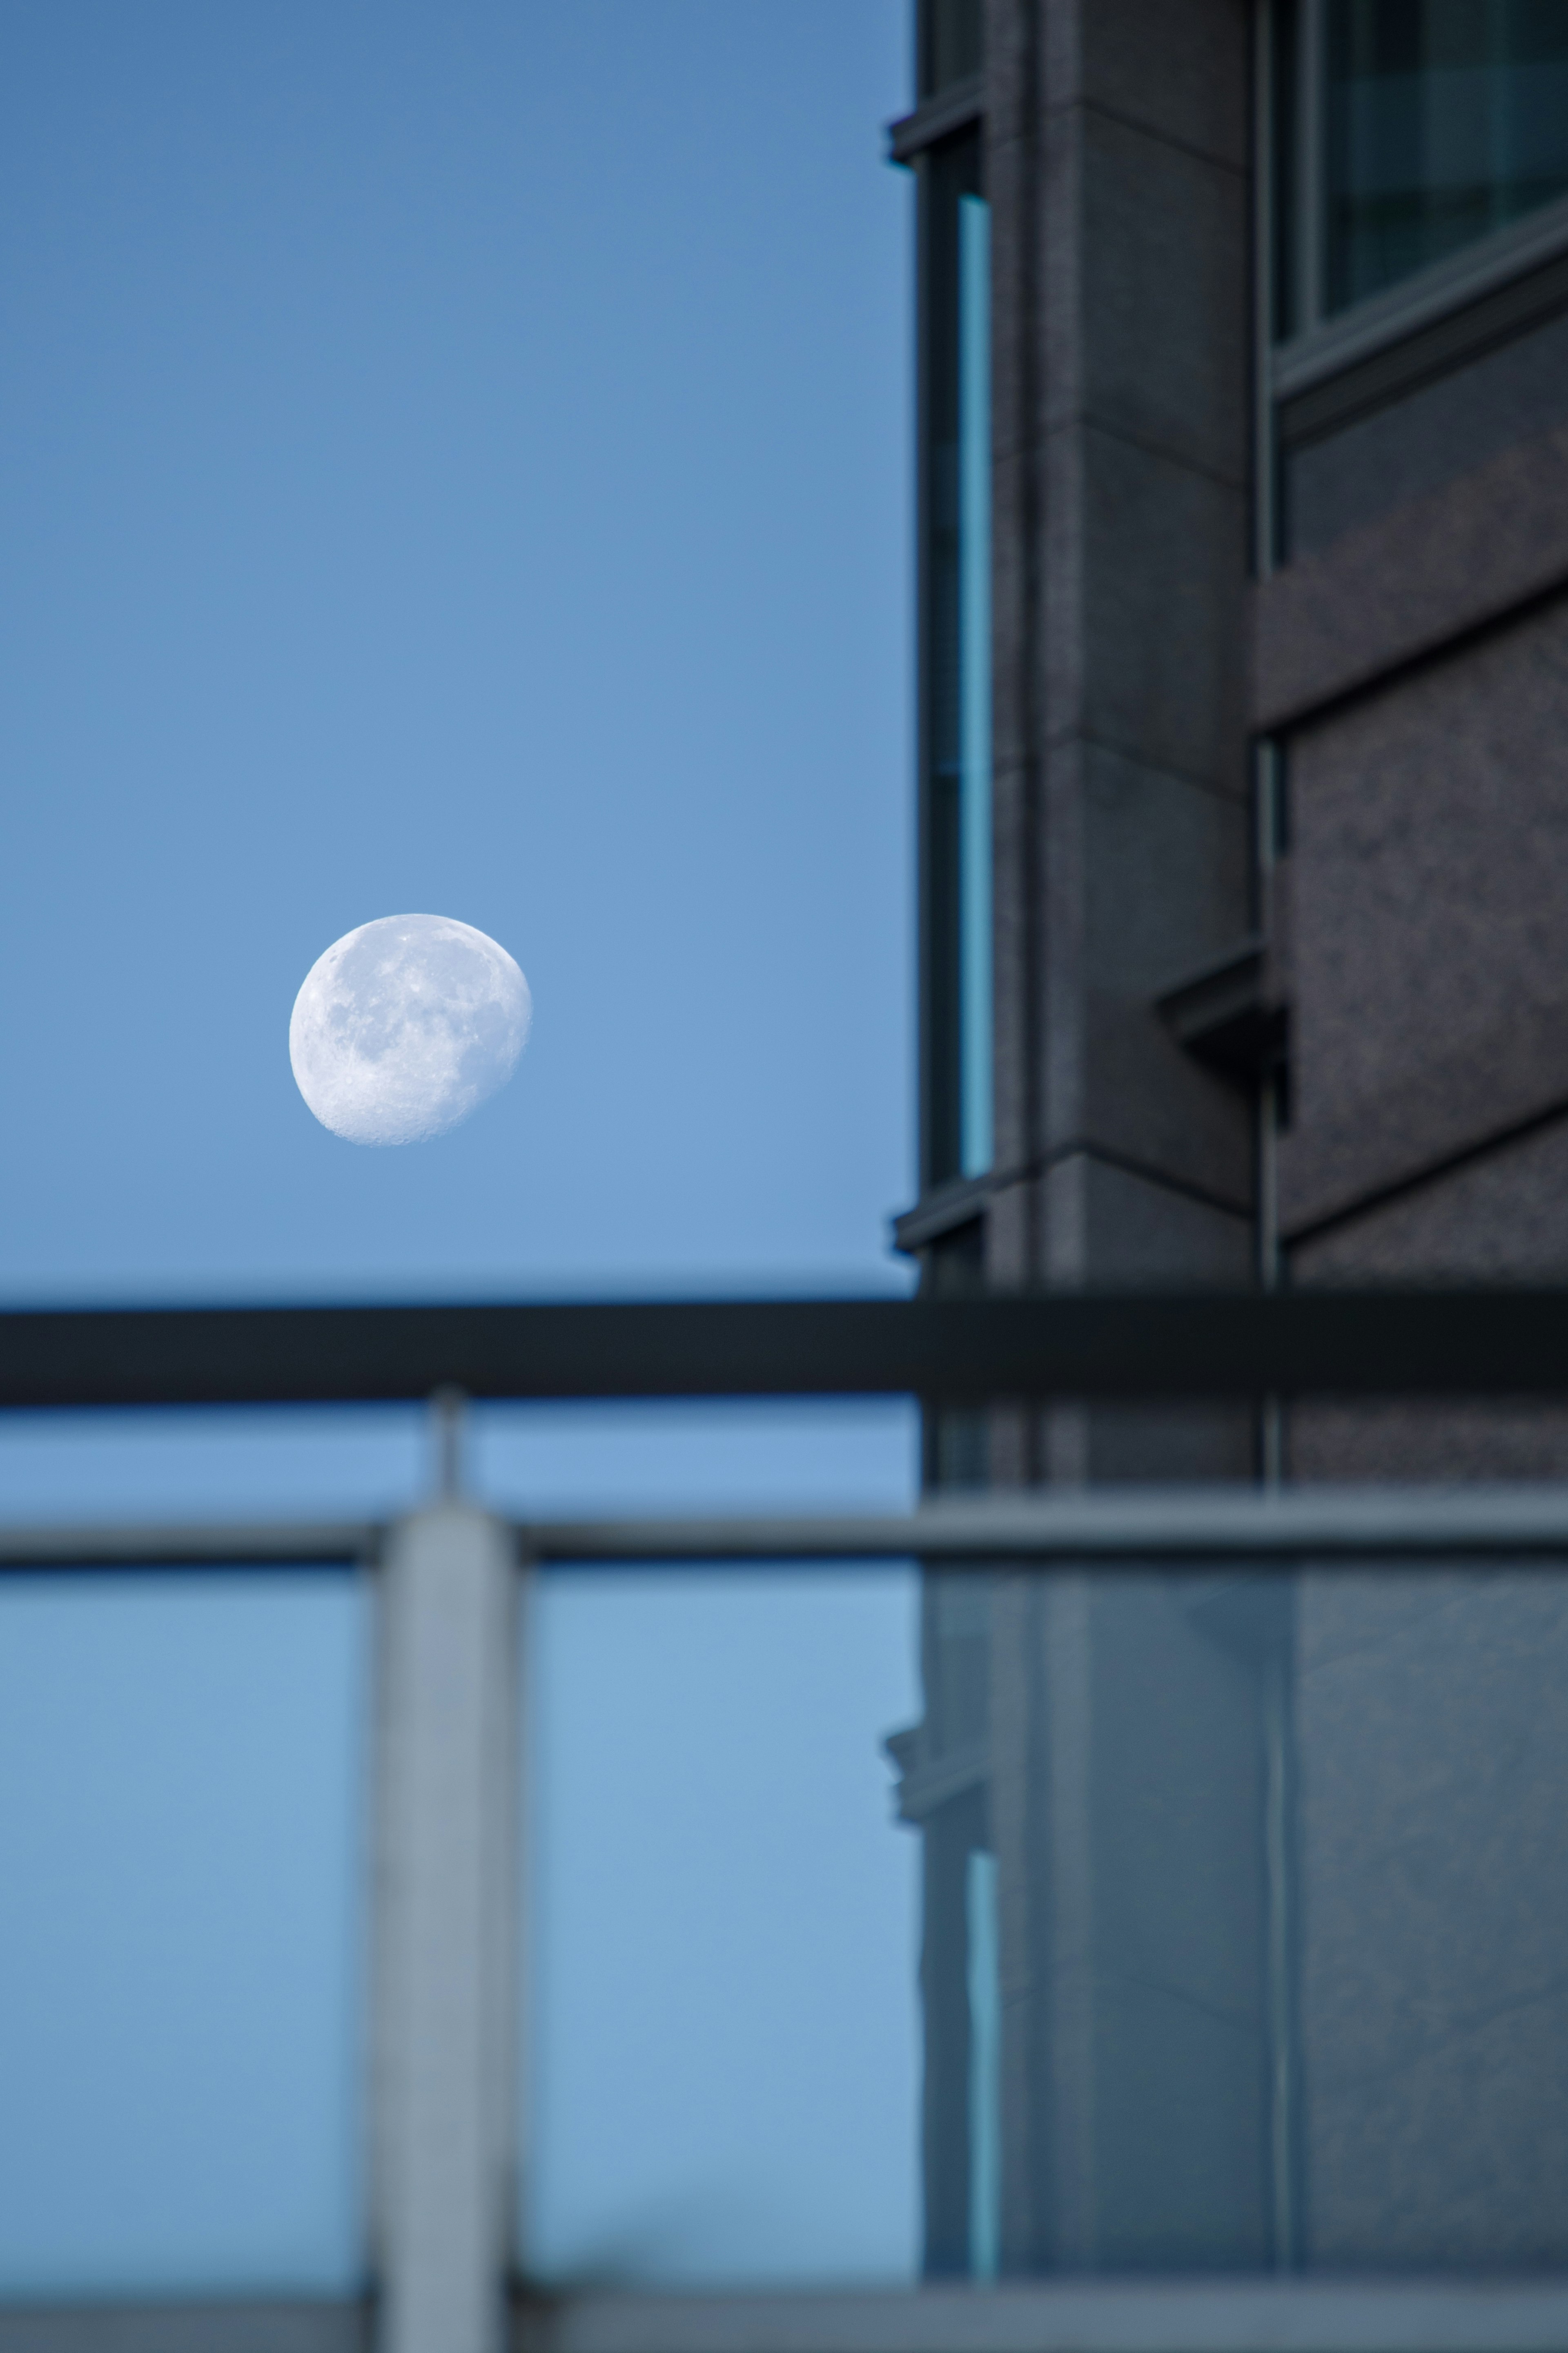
{"x": 455, "y": 459}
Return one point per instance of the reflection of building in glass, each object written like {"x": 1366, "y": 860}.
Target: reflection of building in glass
{"x": 1272, "y": 907}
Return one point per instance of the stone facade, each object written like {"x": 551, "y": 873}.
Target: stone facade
{"x": 1278, "y": 1888}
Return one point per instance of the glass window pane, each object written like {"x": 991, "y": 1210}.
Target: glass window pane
{"x": 957, "y": 263}
{"x": 1445, "y": 120}
{"x": 952, "y": 42}
{"x": 180, "y": 2013}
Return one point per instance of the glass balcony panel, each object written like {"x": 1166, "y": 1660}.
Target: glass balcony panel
{"x": 723, "y": 2085}
{"x": 181, "y": 2015}
{"x": 231, "y": 1464}
{"x": 1266, "y": 1860}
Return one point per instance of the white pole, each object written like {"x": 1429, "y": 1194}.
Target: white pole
{"x": 447, "y": 1879}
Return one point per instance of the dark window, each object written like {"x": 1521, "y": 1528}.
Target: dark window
{"x": 951, "y": 43}
{"x": 1285, "y": 30}
{"x": 1405, "y": 130}
{"x": 956, "y": 684}
{"x": 957, "y": 1437}
{"x": 1446, "y": 119}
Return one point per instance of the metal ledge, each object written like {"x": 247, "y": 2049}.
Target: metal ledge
{"x": 953, "y": 110}
{"x": 1232, "y": 2316}
{"x": 934, "y": 1782}
{"x": 1221, "y": 1016}
{"x": 942, "y": 1211}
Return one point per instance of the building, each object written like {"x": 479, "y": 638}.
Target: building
{"x": 1244, "y": 661}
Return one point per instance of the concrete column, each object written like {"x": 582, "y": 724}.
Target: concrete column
{"x": 447, "y": 1879}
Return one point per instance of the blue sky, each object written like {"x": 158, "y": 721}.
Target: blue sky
{"x": 456, "y": 459}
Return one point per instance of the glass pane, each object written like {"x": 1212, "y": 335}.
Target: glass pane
{"x": 1431, "y": 1729}
{"x": 338, "y": 1462}
{"x": 1446, "y": 119}
{"x": 1270, "y": 1866}
{"x": 180, "y": 2013}
{"x": 953, "y": 43}
{"x": 725, "y": 2045}
{"x": 958, "y": 666}
{"x": 739, "y": 1454}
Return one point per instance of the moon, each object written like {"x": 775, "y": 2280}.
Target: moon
{"x": 406, "y": 1026}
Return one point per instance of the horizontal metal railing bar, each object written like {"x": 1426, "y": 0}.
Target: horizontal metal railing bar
{"x": 256, "y": 2326}
{"x": 1160, "y": 1345}
{"x": 322, "y": 1544}
{"x": 1178, "y": 2316}
{"x": 1185, "y": 1525}
{"x": 1192, "y": 1525}
{"x": 1162, "y": 2316}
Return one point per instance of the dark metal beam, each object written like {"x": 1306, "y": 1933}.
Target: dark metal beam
{"x": 1481, "y": 1343}
{"x": 198, "y": 1544}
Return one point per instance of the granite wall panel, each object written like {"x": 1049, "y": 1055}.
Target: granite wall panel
{"x": 1169, "y": 238}
{"x": 1427, "y": 880}
{"x": 1166, "y": 874}
{"x": 1397, "y": 590}
{"x": 1160, "y": 565}
{"x": 1501, "y": 1217}
{"x": 1105, "y": 1224}
{"x": 1434, "y": 436}
{"x": 1178, "y": 68}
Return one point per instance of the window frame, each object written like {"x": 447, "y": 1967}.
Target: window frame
{"x": 1337, "y": 366}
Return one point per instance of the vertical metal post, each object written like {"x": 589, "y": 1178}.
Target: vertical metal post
{"x": 447, "y": 1876}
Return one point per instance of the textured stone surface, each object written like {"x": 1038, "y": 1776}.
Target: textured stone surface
{"x": 1410, "y": 582}
{"x": 1431, "y": 436}
{"x": 1104, "y": 1224}
{"x": 1152, "y": 663}
{"x": 1120, "y": 1227}
{"x": 1166, "y": 875}
{"x": 1428, "y": 889}
{"x": 1175, "y": 67}
{"x": 1501, "y": 1218}
{"x": 1169, "y": 240}
{"x": 1432, "y": 1718}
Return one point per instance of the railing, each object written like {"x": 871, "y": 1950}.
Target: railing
{"x": 450, "y": 1580}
